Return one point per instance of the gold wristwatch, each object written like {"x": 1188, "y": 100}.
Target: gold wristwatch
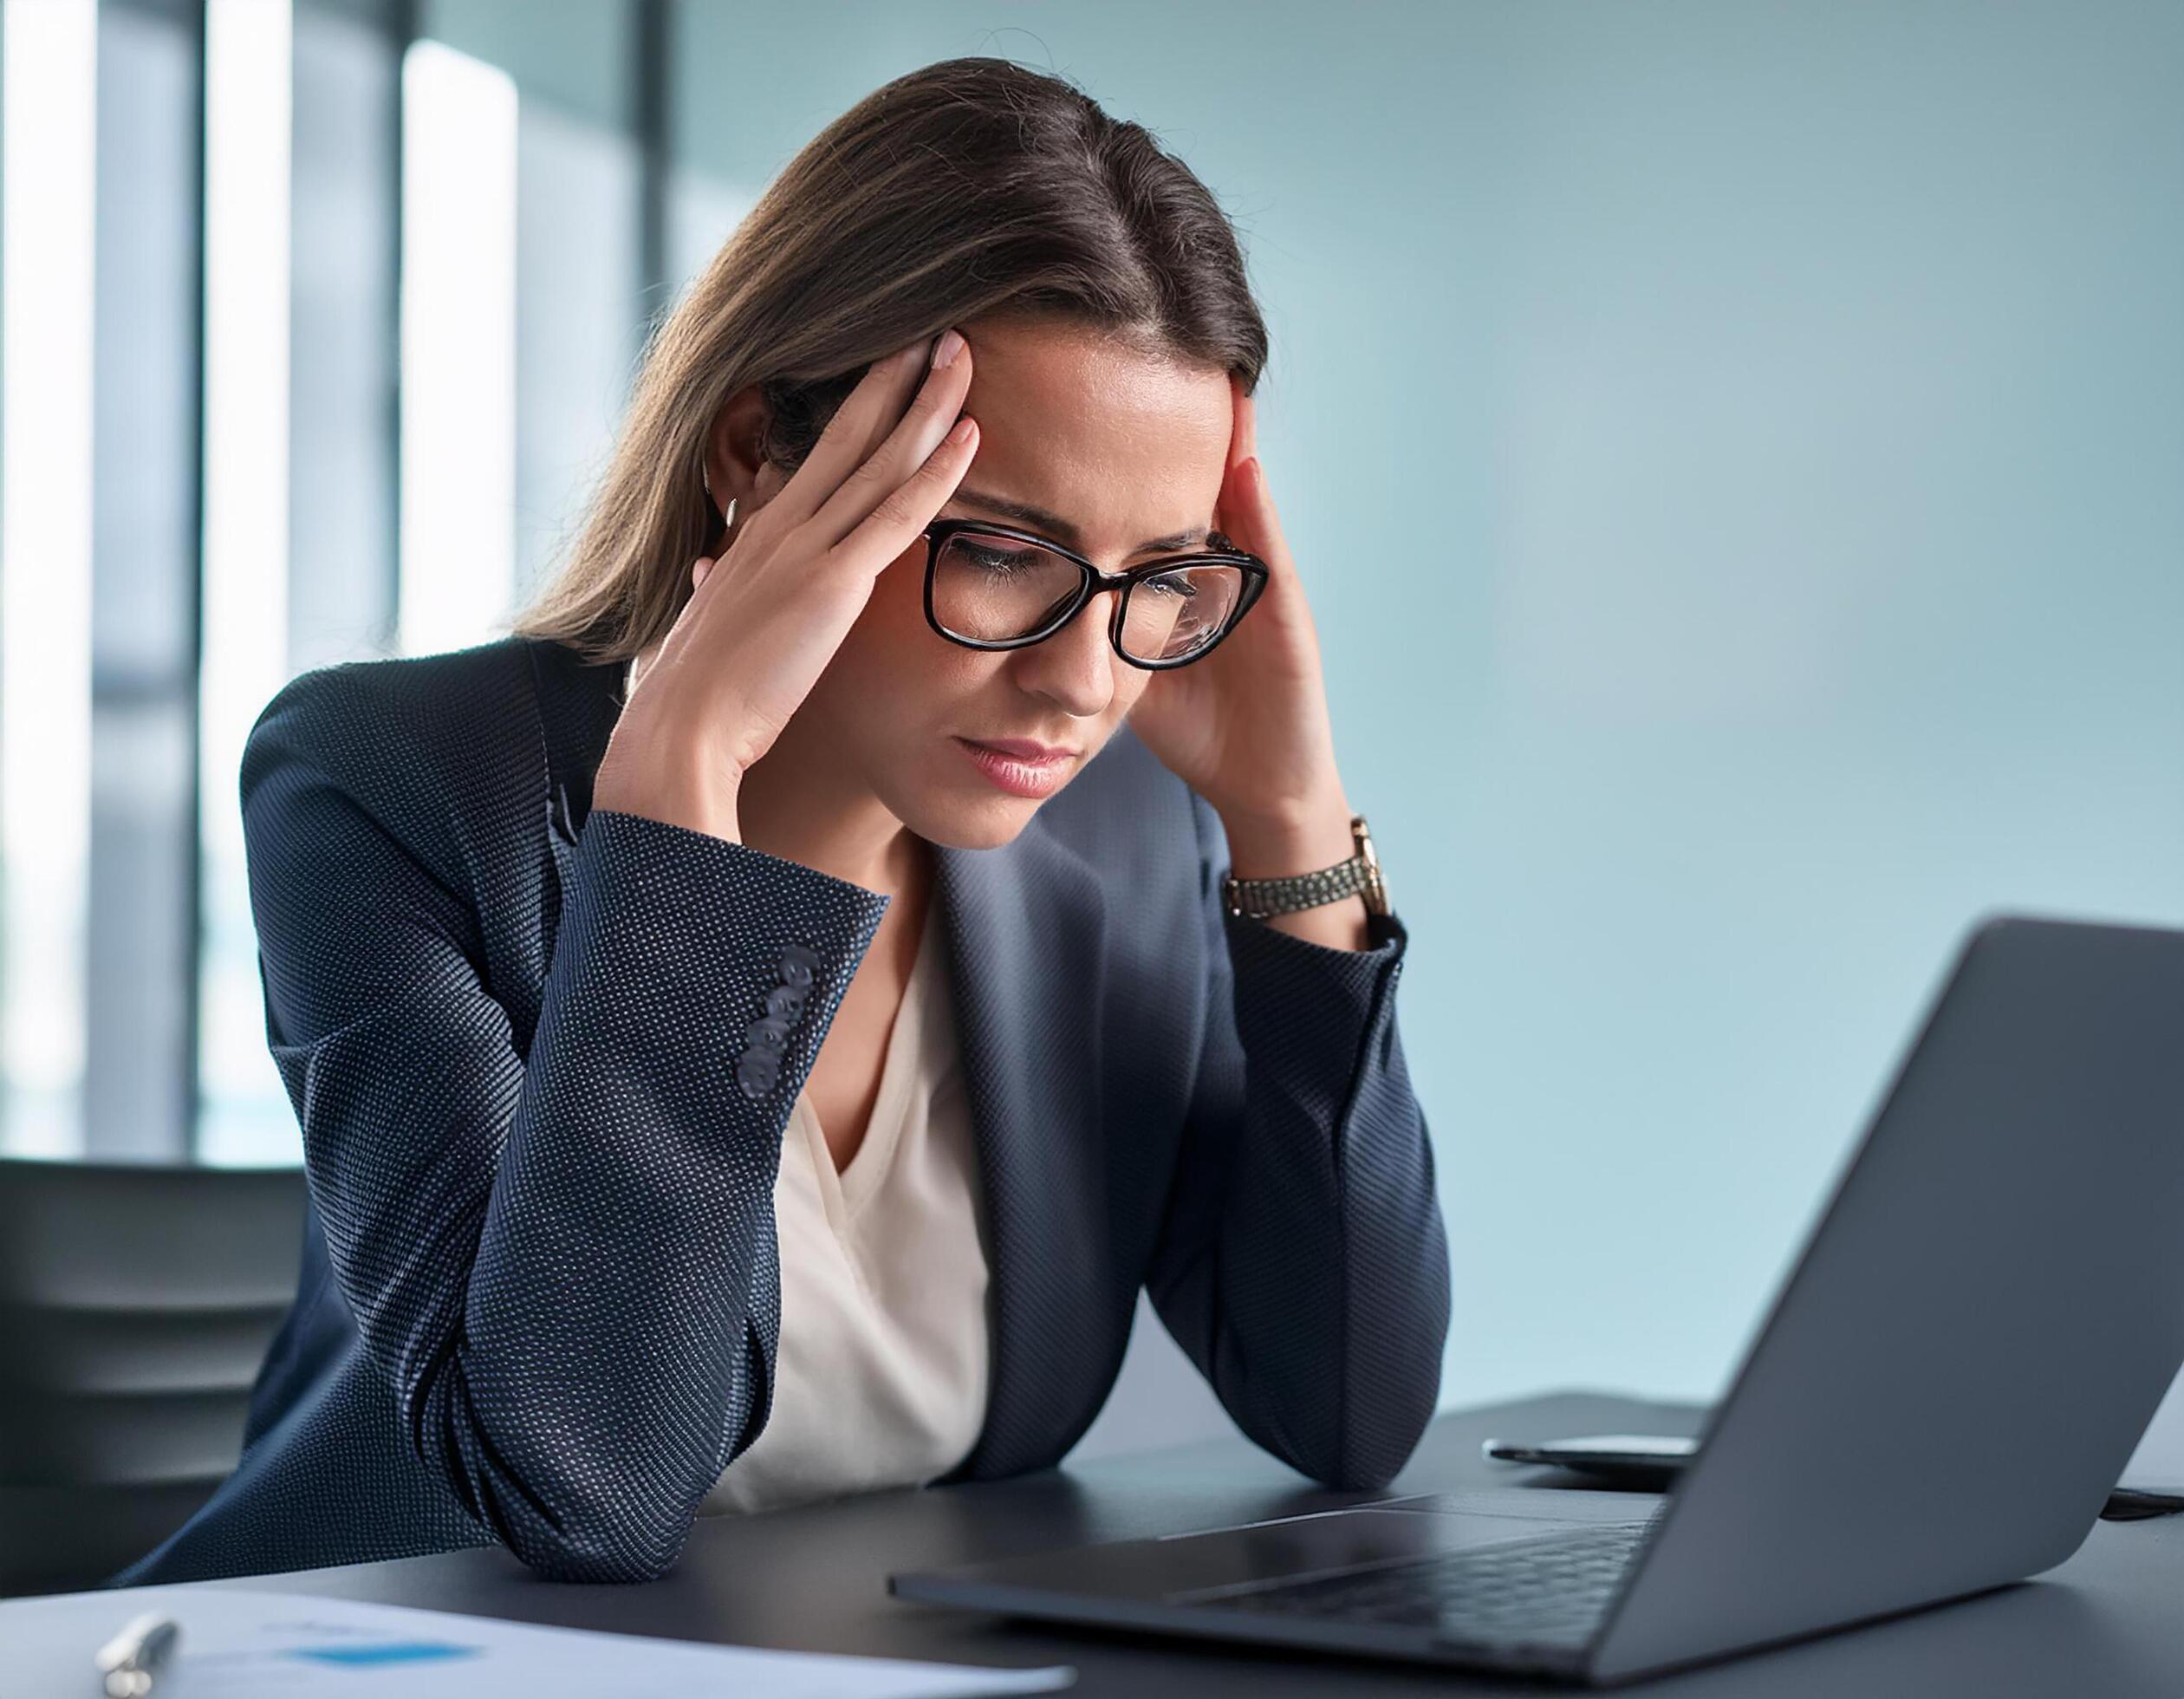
{"x": 1256, "y": 899}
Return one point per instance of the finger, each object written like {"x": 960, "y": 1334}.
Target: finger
{"x": 1233, "y": 512}
{"x": 909, "y": 447}
{"x": 892, "y": 526}
{"x": 693, "y": 609}
{"x": 867, "y": 415}
{"x": 1244, "y": 421}
{"x": 1251, "y": 518}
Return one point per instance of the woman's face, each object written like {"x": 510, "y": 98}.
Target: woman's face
{"x": 1121, "y": 449}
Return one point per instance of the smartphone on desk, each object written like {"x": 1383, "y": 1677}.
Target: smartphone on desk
{"x": 1650, "y": 1462}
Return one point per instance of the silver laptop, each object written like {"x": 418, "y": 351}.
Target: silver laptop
{"x": 2001, "y": 1263}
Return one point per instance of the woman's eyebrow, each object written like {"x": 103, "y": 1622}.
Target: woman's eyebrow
{"x": 1054, "y": 525}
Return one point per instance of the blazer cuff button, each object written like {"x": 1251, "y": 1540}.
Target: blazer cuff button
{"x": 767, "y": 1033}
{"x": 756, "y": 1074}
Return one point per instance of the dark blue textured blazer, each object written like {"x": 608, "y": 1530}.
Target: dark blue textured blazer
{"x": 541, "y": 1287}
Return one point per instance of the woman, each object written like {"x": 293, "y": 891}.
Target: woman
{"x": 723, "y": 1082}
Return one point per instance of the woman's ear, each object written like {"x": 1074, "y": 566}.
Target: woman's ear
{"x": 736, "y": 467}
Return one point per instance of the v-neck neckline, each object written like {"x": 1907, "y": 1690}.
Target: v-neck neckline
{"x": 848, "y": 1189}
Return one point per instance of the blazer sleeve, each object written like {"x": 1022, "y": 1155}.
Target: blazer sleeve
{"x": 1302, "y": 1262}
{"x": 563, "y": 1262}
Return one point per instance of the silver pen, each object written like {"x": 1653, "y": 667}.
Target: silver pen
{"x": 128, "y": 1660}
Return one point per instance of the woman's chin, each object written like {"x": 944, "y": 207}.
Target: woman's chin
{"x": 978, "y": 826}
{"x": 962, "y": 818}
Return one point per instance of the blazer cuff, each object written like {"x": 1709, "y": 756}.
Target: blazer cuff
{"x": 1304, "y": 1008}
{"x": 690, "y": 931}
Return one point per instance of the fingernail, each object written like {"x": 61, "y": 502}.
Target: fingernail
{"x": 944, "y": 350}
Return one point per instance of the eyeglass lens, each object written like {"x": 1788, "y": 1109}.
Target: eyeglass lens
{"x": 995, "y": 590}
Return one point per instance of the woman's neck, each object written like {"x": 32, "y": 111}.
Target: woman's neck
{"x": 799, "y": 802}
{"x": 787, "y": 807}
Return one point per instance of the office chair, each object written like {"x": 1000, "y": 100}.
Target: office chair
{"x": 136, "y": 1304}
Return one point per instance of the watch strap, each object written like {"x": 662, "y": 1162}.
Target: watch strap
{"x": 1257, "y": 899}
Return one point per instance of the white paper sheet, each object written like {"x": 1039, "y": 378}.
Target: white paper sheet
{"x": 237, "y": 1644}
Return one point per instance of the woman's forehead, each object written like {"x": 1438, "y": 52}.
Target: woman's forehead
{"x": 1123, "y": 446}
{"x": 1041, "y": 366}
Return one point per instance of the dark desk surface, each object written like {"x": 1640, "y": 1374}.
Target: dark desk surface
{"x": 2109, "y": 1622}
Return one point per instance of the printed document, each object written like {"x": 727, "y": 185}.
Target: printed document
{"x": 239, "y": 1644}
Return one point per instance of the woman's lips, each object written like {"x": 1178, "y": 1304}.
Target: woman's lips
{"x": 1024, "y": 749}
{"x": 1012, "y": 773}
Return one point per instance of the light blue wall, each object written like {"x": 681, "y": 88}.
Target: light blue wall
{"x": 1736, "y": 454}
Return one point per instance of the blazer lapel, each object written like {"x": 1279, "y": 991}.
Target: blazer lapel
{"x": 1026, "y": 931}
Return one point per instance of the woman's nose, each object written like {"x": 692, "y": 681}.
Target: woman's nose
{"x": 1075, "y": 666}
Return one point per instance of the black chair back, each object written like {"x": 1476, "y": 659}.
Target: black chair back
{"x": 136, "y": 1304}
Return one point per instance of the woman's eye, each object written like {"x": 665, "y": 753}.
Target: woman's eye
{"x": 995, "y": 560}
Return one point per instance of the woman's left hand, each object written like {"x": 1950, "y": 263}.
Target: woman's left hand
{"x": 1247, "y": 726}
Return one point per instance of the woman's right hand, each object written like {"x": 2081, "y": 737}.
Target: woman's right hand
{"x": 761, "y": 623}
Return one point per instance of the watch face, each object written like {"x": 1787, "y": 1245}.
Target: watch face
{"x": 1376, "y": 877}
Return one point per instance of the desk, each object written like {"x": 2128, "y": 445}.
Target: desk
{"x": 2109, "y": 1622}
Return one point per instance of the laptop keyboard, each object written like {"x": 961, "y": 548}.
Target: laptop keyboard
{"x": 1552, "y": 1590}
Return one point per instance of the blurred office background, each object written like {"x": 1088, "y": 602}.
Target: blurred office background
{"x": 1735, "y": 451}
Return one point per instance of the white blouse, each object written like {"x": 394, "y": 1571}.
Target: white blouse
{"x": 881, "y": 1373}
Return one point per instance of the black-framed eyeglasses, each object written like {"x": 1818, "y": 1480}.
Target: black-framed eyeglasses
{"x": 990, "y": 586}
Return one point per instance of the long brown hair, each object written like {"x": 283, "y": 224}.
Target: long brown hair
{"x": 968, "y": 187}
